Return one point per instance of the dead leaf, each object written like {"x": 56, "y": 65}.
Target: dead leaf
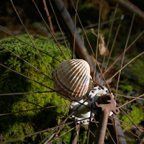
{"x": 102, "y": 46}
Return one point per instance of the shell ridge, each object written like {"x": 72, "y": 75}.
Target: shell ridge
{"x": 79, "y": 70}
{"x": 63, "y": 75}
{"x": 81, "y": 92}
{"x": 78, "y": 79}
{"x": 85, "y": 88}
{"x": 82, "y": 81}
{"x": 66, "y": 80}
{"x": 74, "y": 76}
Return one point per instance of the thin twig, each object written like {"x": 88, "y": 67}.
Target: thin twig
{"x": 117, "y": 85}
{"x": 122, "y": 55}
{"x": 49, "y": 17}
{"x": 109, "y": 35}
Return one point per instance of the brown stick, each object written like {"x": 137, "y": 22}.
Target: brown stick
{"x": 49, "y": 17}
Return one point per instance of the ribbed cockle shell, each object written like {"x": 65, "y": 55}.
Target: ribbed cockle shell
{"x": 71, "y": 79}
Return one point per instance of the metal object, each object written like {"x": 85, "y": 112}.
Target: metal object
{"x": 100, "y": 100}
{"x": 115, "y": 130}
{"x": 107, "y": 103}
{"x": 95, "y": 93}
{"x": 120, "y": 135}
{"x": 83, "y": 113}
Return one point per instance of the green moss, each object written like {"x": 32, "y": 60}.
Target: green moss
{"x": 64, "y": 135}
{"x": 83, "y": 135}
{"x": 132, "y": 83}
{"x": 133, "y": 74}
{"x": 136, "y": 115}
{"x": 126, "y": 88}
{"x": 23, "y": 123}
{"x": 138, "y": 69}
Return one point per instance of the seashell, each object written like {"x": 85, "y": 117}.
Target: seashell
{"x": 71, "y": 79}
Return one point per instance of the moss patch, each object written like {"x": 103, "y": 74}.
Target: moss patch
{"x": 23, "y": 123}
{"x": 136, "y": 115}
